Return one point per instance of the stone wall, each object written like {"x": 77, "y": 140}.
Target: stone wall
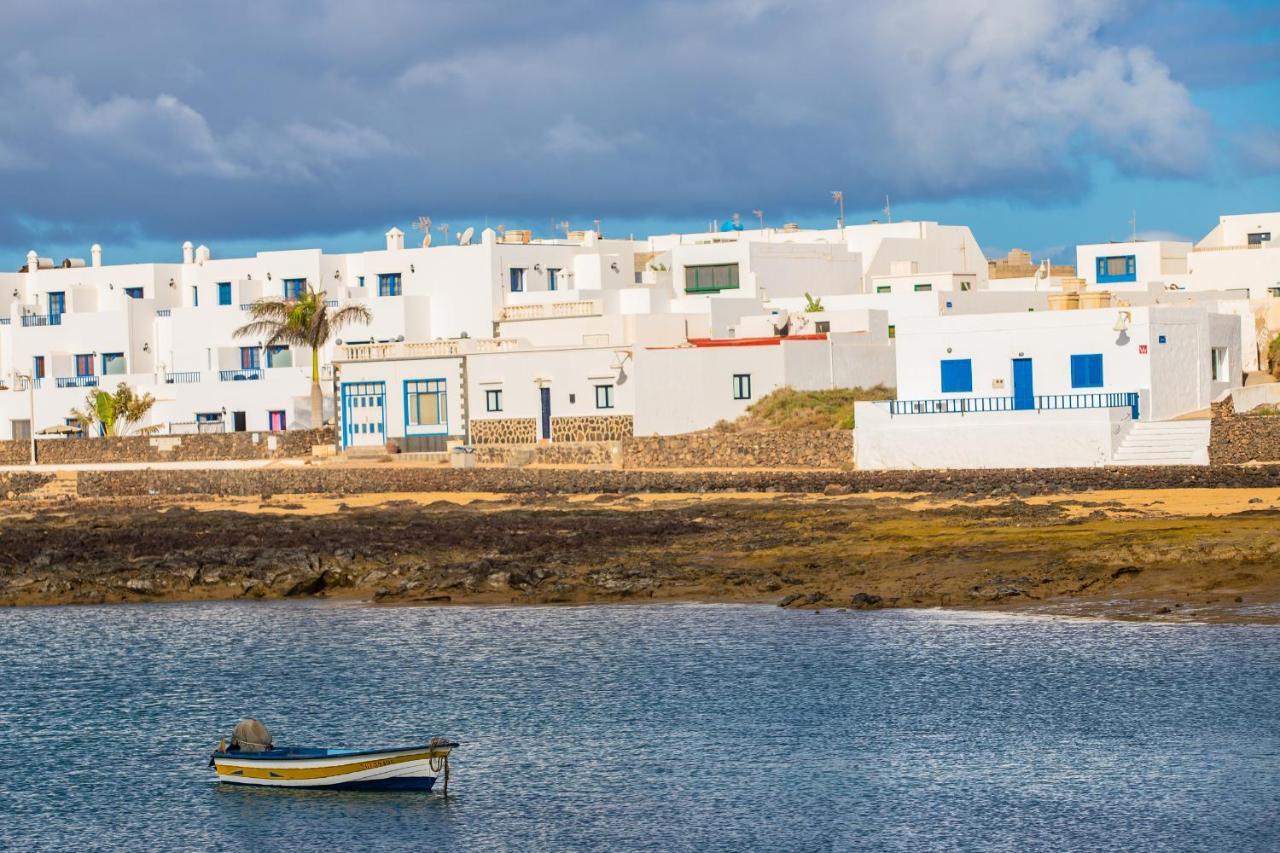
{"x": 578, "y": 428}
{"x": 590, "y": 453}
{"x": 201, "y": 447}
{"x": 504, "y": 431}
{"x": 766, "y": 449}
{"x": 392, "y": 479}
{"x": 1238, "y": 438}
{"x": 19, "y": 483}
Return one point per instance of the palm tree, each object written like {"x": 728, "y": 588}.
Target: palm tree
{"x": 115, "y": 414}
{"x": 306, "y": 321}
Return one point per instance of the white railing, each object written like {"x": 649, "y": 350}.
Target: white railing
{"x": 423, "y": 349}
{"x": 550, "y": 310}
{"x": 1235, "y": 248}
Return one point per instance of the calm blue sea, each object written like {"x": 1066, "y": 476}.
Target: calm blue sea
{"x": 644, "y": 727}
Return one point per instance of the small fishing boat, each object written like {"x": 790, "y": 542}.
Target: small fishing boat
{"x": 252, "y": 759}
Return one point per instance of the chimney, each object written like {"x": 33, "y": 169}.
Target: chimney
{"x": 33, "y": 261}
{"x": 395, "y": 239}
{"x": 202, "y": 254}
{"x": 95, "y": 253}
{"x": 188, "y": 253}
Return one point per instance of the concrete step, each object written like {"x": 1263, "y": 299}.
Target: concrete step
{"x": 1165, "y": 443}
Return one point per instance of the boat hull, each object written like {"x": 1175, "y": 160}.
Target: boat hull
{"x": 408, "y": 769}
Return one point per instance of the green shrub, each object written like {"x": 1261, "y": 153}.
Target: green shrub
{"x": 788, "y": 409}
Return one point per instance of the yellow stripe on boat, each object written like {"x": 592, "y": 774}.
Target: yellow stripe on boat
{"x": 296, "y": 773}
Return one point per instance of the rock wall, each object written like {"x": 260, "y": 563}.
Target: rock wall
{"x": 504, "y": 431}
{"x": 390, "y": 479}
{"x": 168, "y": 448}
{"x": 578, "y": 428}
{"x": 19, "y": 483}
{"x": 1236, "y": 438}
{"x": 592, "y": 453}
{"x": 781, "y": 449}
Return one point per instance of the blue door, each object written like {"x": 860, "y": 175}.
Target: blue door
{"x": 1024, "y": 392}
{"x": 545, "y": 421}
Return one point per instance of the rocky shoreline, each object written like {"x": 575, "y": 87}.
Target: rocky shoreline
{"x": 1075, "y": 555}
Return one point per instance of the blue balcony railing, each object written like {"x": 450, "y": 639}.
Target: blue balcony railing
{"x": 241, "y": 375}
{"x": 77, "y": 381}
{"x": 967, "y": 405}
{"x": 164, "y": 312}
{"x": 245, "y": 306}
{"x": 5, "y": 321}
{"x": 182, "y": 378}
{"x": 42, "y": 319}
{"x": 331, "y": 303}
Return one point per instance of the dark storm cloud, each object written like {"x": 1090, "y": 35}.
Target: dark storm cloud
{"x": 269, "y": 120}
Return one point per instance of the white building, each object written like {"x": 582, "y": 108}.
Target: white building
{"x": 1049, "y": 389}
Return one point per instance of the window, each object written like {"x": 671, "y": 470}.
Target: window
{"x": 884, "y": 288}
{"x": 113, "y": 364}
{"x": 389, "y": 284}
{"x": 742, "y": 386}
{"x": 424, "y": 402}
{"x": 1086, "y": 371}
{"x": 966, "y": 285}
{"x": 84, "y": 364}
{"x": 711, "y": 279}
{"x": 1274, "y": 291}
{"x": 948, "y": 303}
{"x": 133, "y": 292}
{"x": 493, "y": 400}
{"x": 37, "y": 366}
{"x": 922, "y": 288}
{"x": 893, "y": 331}
{"x": 294, "y": 288}
{"x": 57, "y": 303}
{"x": 195, "y": 297}
{"x": 1218, "y": 363}
{"x": 224, "y": 293}
{"x": 517, "y": 279}
{"x": 604, "y": 396}
{"x": 822, "y": 327}
{"x": 249, "y": 358}
{"x": 957, "y": 375}
{"x": 1117, "y": 268}
{"x": 279, "y": 356}
{"x": 553, "y": 278}
{"x": 276, "y": 420}
{"x": 1259, "y": 237}
{"x": 360, "y": 281}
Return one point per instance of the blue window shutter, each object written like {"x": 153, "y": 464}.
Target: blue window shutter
{"x": 1077, "y": 371}
{"x": 1095, "y": 373}
{"x": 957, "y": 375}
{"x": 1086, "y": 371}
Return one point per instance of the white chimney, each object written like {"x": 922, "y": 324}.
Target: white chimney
{"x": 395, "y": 239}
{"x": 202, "y": 254}
{"x": 33, "y": 261}
{"x": 95, "y": 253}
{"x": 188, "y": 253}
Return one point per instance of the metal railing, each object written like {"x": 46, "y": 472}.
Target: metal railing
{"x": 1045, "y": 402}
{"x": 77, "y": 381}
{"x": 5, "y": 321}
{"x": 184, "y": 378}
{"x": 241, "y": 375}
{"x": 331, "y": 303}
{"x": 245, "y": 306}
{"x": 190, "y": 427}
{"x": 164, "y": 312}
{"x": 42, "y": 319}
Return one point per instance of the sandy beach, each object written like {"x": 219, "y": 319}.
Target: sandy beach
{"x": 1161, "y": 555}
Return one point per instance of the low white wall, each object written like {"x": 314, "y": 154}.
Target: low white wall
{"x": 1253, "y": 396}
{"x": 1049, "y": 439}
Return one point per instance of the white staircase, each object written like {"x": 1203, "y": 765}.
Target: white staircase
{"x": 1165, "y": 443}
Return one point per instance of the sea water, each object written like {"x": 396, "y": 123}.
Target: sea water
{"x": 644, "y": 727}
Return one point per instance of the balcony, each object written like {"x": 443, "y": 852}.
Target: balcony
{"x": 424, "y": 349}
{"x": 164, "y": 312}
{"x": 42, "y": 319}
{"x": 550, "y": 310}
{"x": 77, "y": 381}
{"x": 331, "y": 303}
{"x": 186, "y": 378}
{"x": 1046, "y": 402}
{"x": 5, "y": 321}
{"x": 244, "y": 374}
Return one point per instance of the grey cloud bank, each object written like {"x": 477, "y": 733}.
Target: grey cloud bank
{"x": 236, "y": 120}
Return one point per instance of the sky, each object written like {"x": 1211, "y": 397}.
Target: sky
{"x": 250, "y": 125}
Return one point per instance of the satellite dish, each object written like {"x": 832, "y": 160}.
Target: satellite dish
{"x": 426, "y": 240}
{"x": 464, "y": 239}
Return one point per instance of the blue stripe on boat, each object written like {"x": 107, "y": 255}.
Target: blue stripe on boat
{"x": 395, "y": 783}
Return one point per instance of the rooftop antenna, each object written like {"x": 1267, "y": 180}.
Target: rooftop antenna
{"x": 888, "y": 211}
{"x": 759, "y": 214}
{"x": 464, "y": 239}
{"x": 563, "y": 225}
{"x": 443, "y": 228}
{"x": 502, "y": 230}
{"x": 1133, "y": 225}
{"x": 837, "y": 197}
{"x": 424, "y": 225}
{"x": 737, "y": 221}
{"x": 597, "y": 224}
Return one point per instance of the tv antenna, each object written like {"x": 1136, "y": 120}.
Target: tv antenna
{"x": 464, "y": 239}
{"x": 443, "y": 228}
{"x": 424, "y": 225}
{"x": 1133, "y": 226}
{"x": 888, "y": 210}
{"x": 563, "y": 225}
{"x": 759, "y": 214}
{"x": 837, "y": 196}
